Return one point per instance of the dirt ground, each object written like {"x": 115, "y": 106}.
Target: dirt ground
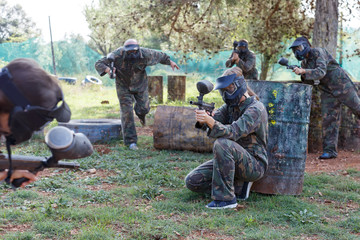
{"x": 345, "y": 159}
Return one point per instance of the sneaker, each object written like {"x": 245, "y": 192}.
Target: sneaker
{"x": 133, "y": 146}
{"x": 327, "y": 156}
{"x": 245, "y": 191}
{"x": 142, "y": 120}
{"x": 217, "y": 204}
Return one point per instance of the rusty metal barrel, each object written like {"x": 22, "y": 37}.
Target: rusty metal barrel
{"x": 174, "y": 128}
{"x": 349, "y": 132}
{"x": 288, "y": 105}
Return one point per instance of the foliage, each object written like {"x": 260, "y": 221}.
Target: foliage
{"x": 111, "y": 25}
{"x": 15, "y": 26}
{"x": 199, "y": 27}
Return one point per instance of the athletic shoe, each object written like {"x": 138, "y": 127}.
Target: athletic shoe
{"x": 327, "y": 156}
{"x": 216, "y": 204}
{"x": 133, "y": 146}
{"x": 245, "y": 191}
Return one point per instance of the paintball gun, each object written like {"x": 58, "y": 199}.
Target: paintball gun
{"x": 204, "y": 87}
{"x": 111, "y": 58}
{"x": 63, "y": 144}
{"x": 285, "y": 62}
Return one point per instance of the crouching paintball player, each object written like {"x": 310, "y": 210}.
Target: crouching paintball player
{"x": 335, "y": 87}
{"x": 240, "y": 127}
{"x": 29, "y": 99}
{"x": 128, "y": 64}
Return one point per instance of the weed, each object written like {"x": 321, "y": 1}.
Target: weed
{"x": 303, "y": 217}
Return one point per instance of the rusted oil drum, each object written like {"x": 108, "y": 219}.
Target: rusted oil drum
{"x": 349, "y": 133}
{"x": 97, "y": 130}
{"x": 174, "y": 128}
{"x": 288, "y": 105}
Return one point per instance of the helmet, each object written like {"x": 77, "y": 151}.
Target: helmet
{"x": 300, "y": 48}
{"x": 232, "y": 95}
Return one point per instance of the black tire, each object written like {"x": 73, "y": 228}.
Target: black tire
{"x": 91, "y": 79}
{"x": 97, "y": 130}
{"x": 68, "y": 80}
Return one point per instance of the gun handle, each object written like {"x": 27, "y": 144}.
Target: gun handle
{"x": 112, "y": 73}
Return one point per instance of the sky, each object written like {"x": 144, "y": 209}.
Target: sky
{"x": 66, "y": 16}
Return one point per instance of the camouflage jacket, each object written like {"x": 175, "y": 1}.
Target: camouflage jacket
{"x": 247, "y": 63}
{"x": 246, "y": 124}
{"x": 320, "y": 65}
{"x": 132, "y": 75}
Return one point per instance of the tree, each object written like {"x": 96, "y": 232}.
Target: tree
{"x": 111, "y": 24}
{"x": 15, "y": 26}
{"x": 270, "y": 24}
{"x": 326, "y": 25}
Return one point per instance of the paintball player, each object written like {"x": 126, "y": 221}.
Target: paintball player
{"x": 29, "y": 99}
{"x": 130, "y": 62}
{"x": 240, "y": 127}
{"x": 335, "y": 87}
{"x": 244, "y": 59}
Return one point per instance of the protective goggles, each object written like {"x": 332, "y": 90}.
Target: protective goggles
{"x": 300, "y": 48}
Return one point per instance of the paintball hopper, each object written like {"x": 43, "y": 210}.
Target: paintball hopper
{"x": 283, "y": 61}
{"x": 204, "y": 87}
{"x": 65, "y": 144}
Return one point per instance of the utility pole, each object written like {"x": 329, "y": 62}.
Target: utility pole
{"x": 52, "y": 48}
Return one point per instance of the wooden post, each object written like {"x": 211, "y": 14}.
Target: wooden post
{"x": 155, "y": 84}
{"x": 176, "y": 88}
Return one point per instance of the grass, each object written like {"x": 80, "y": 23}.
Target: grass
{"x": 141, "y": 195}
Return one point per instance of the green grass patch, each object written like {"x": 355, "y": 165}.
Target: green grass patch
{"x": 142, "y": 194}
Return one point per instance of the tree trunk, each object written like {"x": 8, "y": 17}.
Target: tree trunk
{"x": 326, "y": 25}
{"x": 325, "y": 35}
{"x": 265, "y": 63}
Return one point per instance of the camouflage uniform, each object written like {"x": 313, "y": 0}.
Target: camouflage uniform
{"x": 247, "y": 63}
{"x": 239, "y": 151}
{"x": 132, "y": 84}
{"x": 336, "y": 88}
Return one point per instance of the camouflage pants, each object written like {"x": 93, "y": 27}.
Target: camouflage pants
{"x": 142, "y": 107}
{"x": 224, "y": 175}
{"x": 331, "y": 112}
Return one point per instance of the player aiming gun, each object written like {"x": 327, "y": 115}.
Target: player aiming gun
{"x": 63, "y": 144}
{"x": 285, "y": 62}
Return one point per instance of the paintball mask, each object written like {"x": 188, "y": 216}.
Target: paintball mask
{"x": 300, "y": 48}
{"x": 240, "y": 47}
{"x": 132, "y": 51}
{"x": 231, "y": 88}
{"x": 25, "y": 118}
